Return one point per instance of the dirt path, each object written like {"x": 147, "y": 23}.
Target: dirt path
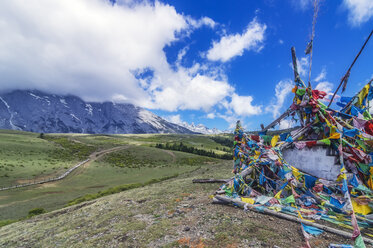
{"x": 97, "y": 155}
{"x": 94, "y": 156}
{"x": 172, "y": 155}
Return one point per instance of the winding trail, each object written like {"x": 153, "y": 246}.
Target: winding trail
{"x": 94, "y": 156}
{"x": 172, "y": 155}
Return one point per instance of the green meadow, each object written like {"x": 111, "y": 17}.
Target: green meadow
{"x": 119, "y": 162}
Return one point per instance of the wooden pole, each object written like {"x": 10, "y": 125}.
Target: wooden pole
{"x": 211, "y": 180}
{"x": 346, "y": 76}
{"x": 278, "y": 120}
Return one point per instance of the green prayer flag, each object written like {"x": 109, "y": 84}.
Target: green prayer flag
{"x": 367, "y": 116}
{"x": 290, "y": 199}
{"x": 322, "y": 105}
{"x": 365, "y": 168}
{"x": 326, "y": 141}
{"x": 326, "y": 198}
{"x": 301, "y": 92}
{"x": 361, "y": 143}
{"x": 267, "y": 138}
{"x": 359, "y": 242}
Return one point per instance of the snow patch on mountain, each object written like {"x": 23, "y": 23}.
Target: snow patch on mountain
{"x": 11, "y": 115}
{"x": 200, "y": 128}
{"x": 89, "y": 108}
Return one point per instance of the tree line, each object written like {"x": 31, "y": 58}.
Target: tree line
{"x": 190, "y": 149}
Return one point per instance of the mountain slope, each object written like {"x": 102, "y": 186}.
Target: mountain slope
{"x": 35, "y": 111}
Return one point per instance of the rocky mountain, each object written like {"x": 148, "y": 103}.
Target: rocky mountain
{"x": 200, "y": 128}
{"x": 36, "y": 111}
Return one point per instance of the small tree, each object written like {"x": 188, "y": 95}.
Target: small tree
{"x": 41, "y": 135}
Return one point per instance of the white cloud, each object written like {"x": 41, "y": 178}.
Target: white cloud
{"x": 97, "y": 50}
{"x": 285, "y": 124}
{"x": 301, "y": 4}
{"x": 242, "y": 105}
{"x": 321, "y": 76}
{"x": 234, "y": 45}
{"x": 85, "y": 47}
{"x": 186, "y": 88}
{"x": 360, "y": 11}
{"x": 231, "y": 119}
{"x": 282, "y": 90}
{"x": 204, "y": 21}
{"x": 325, "y": 86}
{"x": 174, "y": 119}
{"x": 280, "y": 41}
{"x": 104, "y": 52}
{"x": 211, "y": 116}
{"x": 302, "y": 65}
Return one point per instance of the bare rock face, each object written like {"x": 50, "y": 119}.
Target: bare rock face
{"x": 36, "y": 111}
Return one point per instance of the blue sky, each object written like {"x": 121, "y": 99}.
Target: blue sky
{"x": 209, "y": 62}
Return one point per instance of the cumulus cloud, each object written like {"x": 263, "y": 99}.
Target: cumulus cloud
{"x": 360, "y": 11}
{"x": 101, "y": 51}
{"x": 282, "y": 90}
{"x": 325, "y": 86}
{"x": 204, "y": 21}
{"x": 189, "y": 92}
{"x": 285, "y": 124}
{"x": 211, "y": 116}
{"x": 321, "y": 76}
{"x": 174, "y": 119}
{"x": 242, "y": 105}
{"x": 89, "y": 48}
{"x": 234, "y": 45}
{"x": 302, "y": 65}
{"x": 115, "y": 52}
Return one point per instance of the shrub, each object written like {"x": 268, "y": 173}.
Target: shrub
{"x": 36, "y": 211}
{"x": 6, "y": 222}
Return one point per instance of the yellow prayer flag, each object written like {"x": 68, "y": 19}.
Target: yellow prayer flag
{"x": 363, "y": 93}
{"x": 278, "y": 195}
{"x": 296, "y": 172}
{"x": 274, "y": 140}
{"x": 335, "y": 136}
{"x": 247, "y": 200}
{"x": 361, "y": 209}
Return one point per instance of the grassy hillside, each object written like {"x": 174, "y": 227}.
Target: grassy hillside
{"x": 172, "y": 213}
{"x": 26, "y": 157}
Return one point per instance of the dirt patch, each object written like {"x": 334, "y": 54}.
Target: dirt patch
{"x": 48, "y": 185}
{"x": 172, "y": 155}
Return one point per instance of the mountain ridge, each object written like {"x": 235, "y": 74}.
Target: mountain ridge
{"x": 37, "y": 111}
